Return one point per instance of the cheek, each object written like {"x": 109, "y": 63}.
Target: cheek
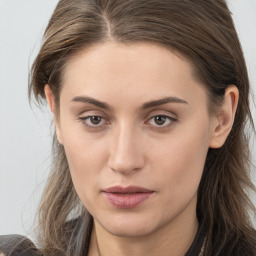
{"x": 85, "y": 165}
{"x": 179, "y": 162}
{"x": 86, "y": 159}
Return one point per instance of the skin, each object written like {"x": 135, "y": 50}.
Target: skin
{"x": 130, "y": 146}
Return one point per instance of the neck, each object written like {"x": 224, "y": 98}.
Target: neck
{"x": 174, "y": 239}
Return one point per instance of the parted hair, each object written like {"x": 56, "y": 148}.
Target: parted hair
{"x": 203, "y": 32}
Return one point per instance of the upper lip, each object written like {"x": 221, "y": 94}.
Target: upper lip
{"x": 127, "y": 190}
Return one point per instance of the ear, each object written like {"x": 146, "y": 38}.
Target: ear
{"x": 224, "y": 119}
{"x": 50, "y": 99}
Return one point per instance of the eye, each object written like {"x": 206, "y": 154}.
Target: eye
{"x": 93, "y": 121}
{"x": 161, "y": 120}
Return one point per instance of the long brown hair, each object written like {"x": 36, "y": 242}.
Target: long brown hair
{"x": 203, "y": 32}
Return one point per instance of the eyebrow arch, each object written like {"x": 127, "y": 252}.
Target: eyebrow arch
{"x": 163, "y": 101}
{"x": 85, "y": 99}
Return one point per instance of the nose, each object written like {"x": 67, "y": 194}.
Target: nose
{"x": 126, "y": 150}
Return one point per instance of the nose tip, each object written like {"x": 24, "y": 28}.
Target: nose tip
{"x": 126, "y": 154}
{"x": 125, "y": 162}
{"x": 123, "y": 170}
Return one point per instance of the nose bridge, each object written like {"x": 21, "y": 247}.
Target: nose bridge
{"x": 125, "y": 149}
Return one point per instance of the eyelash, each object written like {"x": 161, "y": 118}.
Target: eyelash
{"x": 85, "y": 119}
{"x": 171, "y": 121}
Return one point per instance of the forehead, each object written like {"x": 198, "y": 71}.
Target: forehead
{"x": 112, "y": 57}
{"x": 141, "y": 70}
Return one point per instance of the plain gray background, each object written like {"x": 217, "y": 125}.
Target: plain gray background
{"x": 25, "y": 134}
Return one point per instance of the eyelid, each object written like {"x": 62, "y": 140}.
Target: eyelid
{"x": 165, "y": 116}
{"x": 171, "y": 116}
{"x": 85, "y": 115}
{"x": 96, "y": 112}
{"x": 161, "y": 113}
{"x": 106, "y": 120}
{"x": 91, "y": 112}
{"x": 92, "y": 127}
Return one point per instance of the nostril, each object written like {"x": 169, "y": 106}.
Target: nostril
{"x": 126, "y": 167}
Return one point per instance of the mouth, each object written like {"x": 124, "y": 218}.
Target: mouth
{"x": 127, "y": 197}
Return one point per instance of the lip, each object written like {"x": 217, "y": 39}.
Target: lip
{"x": 127, "y": 197}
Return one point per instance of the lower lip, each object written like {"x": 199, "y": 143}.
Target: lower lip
{"x": 127, "y": 200}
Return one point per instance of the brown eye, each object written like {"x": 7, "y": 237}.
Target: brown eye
{"x": 95, "y": 120}
{"x": 160, "y": 120}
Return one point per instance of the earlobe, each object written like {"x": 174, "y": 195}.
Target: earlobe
{"x": 50, "y": 99}
{"x": 224, "y": 119}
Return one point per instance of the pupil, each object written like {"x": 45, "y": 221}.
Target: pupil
{"x": 160, "y": 120}
{"x": 95, "y": 119}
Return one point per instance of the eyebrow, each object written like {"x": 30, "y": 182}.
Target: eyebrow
{"x": 85, "y": 99}
{"x": 162, "y": 102}
{"x": 100, "y": 104}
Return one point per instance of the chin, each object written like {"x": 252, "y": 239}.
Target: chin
{"x": 128, "y": 226}
{"x": 128, "y": 231}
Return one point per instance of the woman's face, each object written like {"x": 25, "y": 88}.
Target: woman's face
{"x": 136, "y": 130}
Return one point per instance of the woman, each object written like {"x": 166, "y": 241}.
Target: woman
{"x": 150, "y": 102}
